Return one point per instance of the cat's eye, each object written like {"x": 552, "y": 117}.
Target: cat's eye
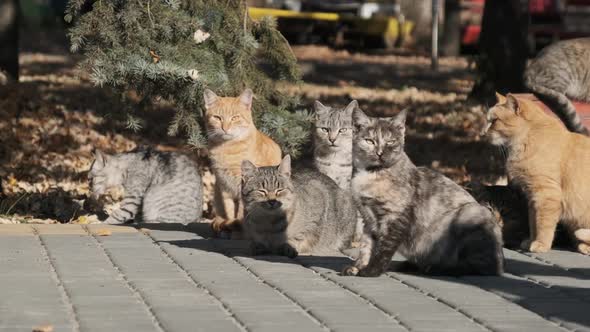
{"x": 235, "y": 118}
{"x": 370, "y": 141}
{"x": 216, "y": 117}
{"x": 262, "y": 192}
{"x": 324, "y": 130}
{"x": 390, "y": 143}
{"x": 279, "y": 192}
{"x": 343, "y": 130}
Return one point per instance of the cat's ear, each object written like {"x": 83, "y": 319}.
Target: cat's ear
{"x": 351, "y": 107}
{"x": 359, "y": 118}
{"x": 210, "y": 98}
{"x": 248, "y": 169}
{"x": 100, "y": 159}
{"x": 319, "y": 108}
{"x": 246, "y": 98}
{"x": 500, "y": 99}
{"x": 285, "y": 166}
{"x": 400, "y": 118}
{"x": 512, "y": 103}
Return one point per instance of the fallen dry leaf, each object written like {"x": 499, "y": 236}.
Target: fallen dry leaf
{"x": 44, "y": 328}
{"x": 82, "y": 220}
{"x": 145, "y": 231}
{"x": 104, "y": 232}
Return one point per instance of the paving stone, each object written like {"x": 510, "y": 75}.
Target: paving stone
{"x": 174, "y": 279}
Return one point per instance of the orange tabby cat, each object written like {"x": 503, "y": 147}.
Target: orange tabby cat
{"x": 550, "y": 164}
{"x": 232, "y": 138}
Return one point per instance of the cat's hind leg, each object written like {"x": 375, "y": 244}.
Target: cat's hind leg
{"x": 478, "y": 243}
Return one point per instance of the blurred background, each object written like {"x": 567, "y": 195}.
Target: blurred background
{"x": 441, "y": 59}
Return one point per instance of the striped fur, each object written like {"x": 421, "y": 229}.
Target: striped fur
{"x": 288, "y": 214}
{"x": 559, "y": 73}
{"x": 158, "y": 186}
{"x": 232, "y": 138}
{"x": 333, "y": 142}
{"x": 435, "y": 224}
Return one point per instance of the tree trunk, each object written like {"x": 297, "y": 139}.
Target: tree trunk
{"x": 503, "y": 49}
{"x": 9, "y": 13}
{"x": 451, "y": 37}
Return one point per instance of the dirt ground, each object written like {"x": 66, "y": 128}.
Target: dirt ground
{"x": 51, "y": 123}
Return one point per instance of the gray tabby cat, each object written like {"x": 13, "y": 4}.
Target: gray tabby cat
{"x": 559, "y": 72}
{"x": 287, "y": 214}
{"x": 332, "y": 151}
{"x": 166, "y": 186}
{"x": 332, "y": 140}
{"x": 432, "y": 221}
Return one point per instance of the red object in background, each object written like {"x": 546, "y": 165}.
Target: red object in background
{"x": 471, "y": 34}
{"x": 542, "y": 6}
{"x": 583, "y": 109}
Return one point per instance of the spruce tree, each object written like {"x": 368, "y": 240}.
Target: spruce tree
{"x": 174, "y": 49}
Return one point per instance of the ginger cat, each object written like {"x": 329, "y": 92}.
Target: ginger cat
{"x": 550, "y": 164}
{"x": 232, "y": 138}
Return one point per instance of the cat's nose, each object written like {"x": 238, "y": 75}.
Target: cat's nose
{"x": 379, "y": 153}
{"x": 273, "y": 203}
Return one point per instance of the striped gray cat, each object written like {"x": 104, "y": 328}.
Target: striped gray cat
{"x": 287, "y": 214}
{"x": 332, "y": 150}
{"x": 562, "y": 71}
{"x": 165, "y": 186}
{"x": 433, "y": 222}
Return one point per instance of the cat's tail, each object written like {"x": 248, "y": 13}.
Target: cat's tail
{"x": 561, "y": 106}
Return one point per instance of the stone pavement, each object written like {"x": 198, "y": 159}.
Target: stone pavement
{"x": 174, "y": 278}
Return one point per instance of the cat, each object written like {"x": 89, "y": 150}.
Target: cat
{"x": 549, "y": 164}
{"x": 332, "y": 140}
{"x": 288, "y": 214}
{"x": 434, "y": 223}
{"x": 233, "y": 137}
{"x": 562, "y": 71}
{"x": 332, "y": 149}
{"x": 158, "y": 186}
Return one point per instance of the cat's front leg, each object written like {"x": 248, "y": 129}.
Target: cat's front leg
{"x": 383, "y": 251}
{"x": 363, "y": 258}
{"x": 126, "y": 212}
{"x": 286, "y": 250}
{"x": 545, "y": 211}
{"x": 258, "y": 248}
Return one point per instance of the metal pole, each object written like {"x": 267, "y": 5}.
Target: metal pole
{"x": 434, "y": 46}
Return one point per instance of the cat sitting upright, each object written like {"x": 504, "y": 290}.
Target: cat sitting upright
{"x": 233, "y": 137}
{"x": 432, "y": 221}
{"x": 158, "y": 186}
{"x": 288, "y": 214}
{"x": 550, "y": 165}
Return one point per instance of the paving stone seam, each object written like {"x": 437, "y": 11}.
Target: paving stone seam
{"x": 65, "y": 297}
{"x": 474, "y": 319}
{"x": 559, "y": 324}
{"x": 241, "y": 325}
{"x": 281, "y": 292}
{"x": 365, "y": 299}
{"x": 136, "y": 293}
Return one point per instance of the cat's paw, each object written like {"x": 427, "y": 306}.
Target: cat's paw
{"x": 259, "y": 249}
{"x": 370, "y": 273}
{"x": 350, "y": 271}
{"x": 539, "y": 247}
{"x": 220, "y": 225}
{"x": 287, "y": 250}
{"x": 583, "y": 248}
